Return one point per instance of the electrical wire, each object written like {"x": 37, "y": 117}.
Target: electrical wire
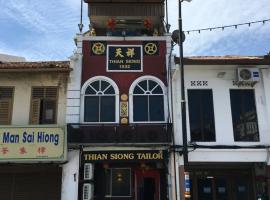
{"x": 227, "y": 26}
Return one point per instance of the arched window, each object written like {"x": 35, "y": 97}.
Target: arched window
{"x": 148, "y": 100}
{"x": 100, "y": 100}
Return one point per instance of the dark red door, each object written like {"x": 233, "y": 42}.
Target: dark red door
{"x": 147, "y": 185}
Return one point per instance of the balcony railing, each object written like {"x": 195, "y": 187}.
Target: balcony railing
{"x": 115, "y": 133}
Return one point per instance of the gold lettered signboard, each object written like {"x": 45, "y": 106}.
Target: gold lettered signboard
{"x": 124, "y": 156}
{"x": 124, "y": 58}
{"x": 40, "y": 144}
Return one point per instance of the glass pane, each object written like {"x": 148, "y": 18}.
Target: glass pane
{"x": 120, "y": 182}
{"x": 208, "y": 115}
{"x": 221, "y": 189}
{"x": 143, "y": 84}
{"x": 138, "y": 90}
{"x": 201, "y": 115}
{"x": 152, "y": 84}
{"x": 89, "y": 90}
{"x": 104, "y": 85}
{"x": 205, "y": 189}
{"x": 140, "y": 108}
{"x": 156, "y": 106}
{"x": 91, "y": 109}
{"x": 109, "y": 90}
{"x": 157, "y": 90}
{"x": 242, "y": 189}
{"x": 194, "y": 118}
{"x": 244, "y": 115}
{"x": 47, "y": 111}
{"x": 107, "y": 113}
{"x": 95, "y": 85}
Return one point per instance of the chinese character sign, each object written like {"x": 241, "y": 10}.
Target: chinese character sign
{"x": 32, "y": 143}
{"x": 124, "y": 58}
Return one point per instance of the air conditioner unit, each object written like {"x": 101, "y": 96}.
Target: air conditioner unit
{"x": 248, "y": 75}
{"x": 87, "y": 191}
{"x": 88, "y": 171}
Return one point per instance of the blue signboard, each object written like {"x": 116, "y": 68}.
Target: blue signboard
{"x": 124, "y": 58}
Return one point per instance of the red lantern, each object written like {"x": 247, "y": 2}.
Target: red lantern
{"x": 111, "y": 24}
{"x": 147, "y": 24}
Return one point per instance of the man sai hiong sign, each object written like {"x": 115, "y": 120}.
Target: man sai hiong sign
{"x": 32, "y": 144}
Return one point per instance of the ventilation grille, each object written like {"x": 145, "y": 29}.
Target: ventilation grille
{"x": 88, "y": 171}
{"x": 51, "y": 92}
{"x": 87, "y": 191}
{"x": 44, "y": 92}
{"x": 6, "y": 92}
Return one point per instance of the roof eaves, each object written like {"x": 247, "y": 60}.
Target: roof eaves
{"x": 60, "y": 70}
{"x": 225, "y": 60}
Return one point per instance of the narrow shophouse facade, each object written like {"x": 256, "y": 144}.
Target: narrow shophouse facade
{"x": 118, "y": 120}
{"x": 228, "y": 126}
{"x": 32, "y": 129}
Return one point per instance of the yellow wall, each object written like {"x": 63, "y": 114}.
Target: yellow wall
{"x": 23, "y": 83}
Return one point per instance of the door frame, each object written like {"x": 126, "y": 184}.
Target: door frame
{"x": 140, "y": 174}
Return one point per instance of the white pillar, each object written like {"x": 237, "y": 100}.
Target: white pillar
{"x": 70, "y": 177}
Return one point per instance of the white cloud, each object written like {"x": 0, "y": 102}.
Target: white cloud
{"x": 51, "y": 25}
{"x": 45, "y": 17}
{"x": 208, "y": 13}
{"x": 50, "y": 28}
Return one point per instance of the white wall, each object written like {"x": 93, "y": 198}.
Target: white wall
{"x": 74, "y": 85}
{"x": 70, "y": 176}
{"x": 266, "y": 85}
{"x": 223, "y": 117}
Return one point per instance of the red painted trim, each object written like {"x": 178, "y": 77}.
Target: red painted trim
{"x": 94, "y": 65}
{"x": 140, "y": 175}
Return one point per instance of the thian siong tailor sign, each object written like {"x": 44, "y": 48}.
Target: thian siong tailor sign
{"x": 41, "y": 144}
{"x": 127, "y": 156}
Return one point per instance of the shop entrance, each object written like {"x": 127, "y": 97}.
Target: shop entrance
{"x": 222, "y": 188}
{"x": 20, "y": 182}
{"x": 222, "y": 185}
{"x": 147, "y": 185}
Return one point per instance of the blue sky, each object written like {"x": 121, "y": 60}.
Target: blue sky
{"x": 45, "y": 30}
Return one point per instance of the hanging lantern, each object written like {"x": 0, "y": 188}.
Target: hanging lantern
{"x": 105, "y": 165}
{"x": 111, "y": 24}
{"x": 147, "y": 24}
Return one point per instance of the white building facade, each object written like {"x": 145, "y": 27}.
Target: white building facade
{"x": 228, "y": 126}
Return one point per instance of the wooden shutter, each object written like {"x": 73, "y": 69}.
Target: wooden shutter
{"x": 35, "y": 111}
{"x": 5, "y": 111}
{"x": 43, "y": 105}
{"x": 51, "y": 92}
{"x": 38, "y": 92}
{"x": 6, "y": 99}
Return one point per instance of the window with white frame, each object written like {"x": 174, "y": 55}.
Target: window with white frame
{"x": 148, "y": 101}
{"x": 100, "y": 101}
